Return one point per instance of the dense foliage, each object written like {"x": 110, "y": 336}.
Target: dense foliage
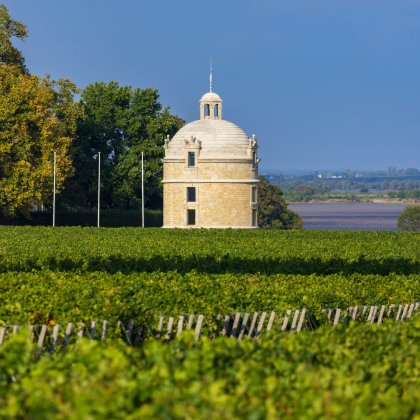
{"x": 79, "y": 274}
{"x": 409, "y": 219}
{"x": 37, "y": 118}
{"x": 208, "y": 251}
{"x": 47, "y": 297}
{"x": 272, "y": 208}
{"x": 405, "y": 194}
{"x": 108, "y": 218}
{"x": 120, "y": 123}
{"x": 10, "y": 29}
{"x": 364, "y": 372}
{"x": 60, "y": 275}
{"x": 348, "y": 184}
{"x": 305, "y": 193}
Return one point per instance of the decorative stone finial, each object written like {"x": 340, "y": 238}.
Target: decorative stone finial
{"x": 253, "y": 142}
{"x": 166, "y": 142}
{"x": 192, "y": 143}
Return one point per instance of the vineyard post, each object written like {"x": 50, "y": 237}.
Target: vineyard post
{"x": 142, "y": 192}
{"x": 55, "y": 157}
{"x": 99, "y": 184}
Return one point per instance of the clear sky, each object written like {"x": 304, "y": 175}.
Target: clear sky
{"x": 321, "y": 83}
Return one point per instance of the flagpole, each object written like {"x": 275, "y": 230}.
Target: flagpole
{"x": 142, "y": 192}
{"x": 55, "y": 157}
{"x": 99, "y": 184}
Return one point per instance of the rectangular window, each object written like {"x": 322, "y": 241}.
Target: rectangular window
{"x": 254, "y": 194}
{"x": 191, "y": 194}
{"x": 254, "y": 217}
{"x": 254, "y": 158}
{"x": 191, "y": 159}
{"x": 191, "y": 217}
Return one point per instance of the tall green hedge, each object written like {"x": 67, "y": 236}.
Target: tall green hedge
{"x": 108, "y": 218}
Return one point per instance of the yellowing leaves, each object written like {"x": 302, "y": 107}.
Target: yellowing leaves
{"x": 31, "y": 133}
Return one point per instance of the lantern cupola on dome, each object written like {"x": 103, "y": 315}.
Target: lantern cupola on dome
{"x": 211, "y": 107}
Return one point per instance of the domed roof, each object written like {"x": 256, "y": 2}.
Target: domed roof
{"x": 211, "y": 96}
{"x": 220, "y": 139}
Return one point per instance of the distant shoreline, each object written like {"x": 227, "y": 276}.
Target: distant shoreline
{"x": 376, "y": 201}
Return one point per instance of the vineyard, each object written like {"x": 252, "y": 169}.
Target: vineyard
{"x": 148, "y": 278}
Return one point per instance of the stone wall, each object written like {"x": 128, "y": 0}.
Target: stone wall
{"x": 223, "y": 193}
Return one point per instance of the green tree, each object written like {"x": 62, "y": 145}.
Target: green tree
{"x": 409, "y": 219}
{"x": 120, "y": 123}
{"x": 38, "y": 118}
{"x": 364, "y": 190}
{"x": 305, "y": 189}
{"x": 11, "y": 28}
{"x": 272, "y": 208}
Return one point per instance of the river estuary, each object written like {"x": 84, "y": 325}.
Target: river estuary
{"x": 349, "y": 216}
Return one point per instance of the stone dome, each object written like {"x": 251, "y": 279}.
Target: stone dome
{"x": 210, "y": 97}
{"x": 219, "y": 139}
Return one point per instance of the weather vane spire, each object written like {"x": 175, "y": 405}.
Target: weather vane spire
{"x": 212, "y": 60}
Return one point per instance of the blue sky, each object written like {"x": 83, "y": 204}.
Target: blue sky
{"x": 321, "y": 83}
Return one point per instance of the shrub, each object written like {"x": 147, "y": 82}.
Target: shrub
{"x": 409, "y": 219}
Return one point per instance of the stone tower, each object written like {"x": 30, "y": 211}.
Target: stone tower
{"x": 210, "y": 173}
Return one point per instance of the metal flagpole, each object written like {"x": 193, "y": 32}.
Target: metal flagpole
{"x": 99, "y": 184}
{"x": 55, "y": 157}
{"x": 142, "y": 192}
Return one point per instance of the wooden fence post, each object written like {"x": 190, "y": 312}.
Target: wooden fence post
{"x": 180, "y": 325}
{"x": 198, "y": 327}
{"x": 381, "y": 315}
{"x": 190, "y": 322}
{"x": 301, "y": 320}
{"x": 286, "y": 320}
{"x": 254, "y": 321}
{"x": 170, "y": 325}
{"x": 337, "y": 316}
{"x": 160, "y": 327}
{"x": 2, "y": 335}
{"x": 295, "y": 318}
{"x": 92, "y": 330}
{"x": 399, "y": 312}
{"x": 244, "y": 322}
{"x": 226, "y": 325}
{"x": 235, "y": 325}
{"x": 54, "y": 338}
{"x": 104, "y": 330}
{"x": 260, "y": 326}
{"x": 404, "y": 313}
{"x": 354, "y": 314}
{"x": 42, "y": 336}
{"x": 271, "y": 321}
{"x": 67, "y": 335}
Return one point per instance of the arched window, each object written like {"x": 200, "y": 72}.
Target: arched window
{"x": 216, "y": 110}
{"x": 207, "y": 110}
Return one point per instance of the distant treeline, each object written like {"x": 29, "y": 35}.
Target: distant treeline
{"x": 348, "y": 184}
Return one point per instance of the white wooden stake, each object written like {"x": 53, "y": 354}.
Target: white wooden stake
{"x": 198, "y": 327}
{"x": 55, "y": 157}
{"x": 99, "y": 184}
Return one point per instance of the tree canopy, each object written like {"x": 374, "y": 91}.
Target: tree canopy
{"x": 11, "y": 28}
{"x": 272, "y": 208}
{"x": 37, "y": 118}
{"x": 120, "y": 123}
{"x": 409, "y": 219}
